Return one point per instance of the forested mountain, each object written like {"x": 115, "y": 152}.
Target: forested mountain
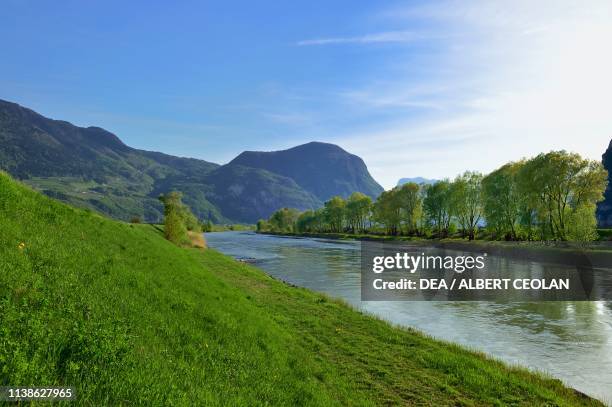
{"x": 93, "y": 168}
{"x": 604, "y": 208}
{"x": 323, "y": 169}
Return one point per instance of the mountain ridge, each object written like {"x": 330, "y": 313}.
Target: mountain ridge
{"x": 92, "y": 167}
{"x": 313, "y": 174}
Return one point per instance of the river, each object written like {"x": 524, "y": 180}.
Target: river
{"x": 569, "y": 340}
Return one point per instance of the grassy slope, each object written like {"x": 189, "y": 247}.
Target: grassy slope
{"x": 126, "y": 317}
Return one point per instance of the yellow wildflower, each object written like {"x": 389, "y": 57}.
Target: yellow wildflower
{"x": 21, "y": 246}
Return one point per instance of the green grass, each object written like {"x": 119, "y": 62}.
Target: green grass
{"x": 128, "y": 318}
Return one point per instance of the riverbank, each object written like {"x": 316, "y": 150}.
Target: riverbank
{"x": 126, "y": 317}
{"x": 596, "y": 254}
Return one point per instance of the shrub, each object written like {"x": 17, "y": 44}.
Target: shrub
{"x": 178, "y": 219}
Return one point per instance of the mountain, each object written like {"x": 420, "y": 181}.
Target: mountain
{"x": 323, "y": 169}
{"x": 416, "y": 180}
{"x": 248, "y": 194}
{"x": 604, "y": 208}
{"x": 91, "y": 167}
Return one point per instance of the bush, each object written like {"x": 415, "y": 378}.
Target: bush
{"x": 178, "y": 219}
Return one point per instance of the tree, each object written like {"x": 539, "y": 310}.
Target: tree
{"x": 263, "y": 225}
{"x": 502, "y": 201}
{"x": 358, "y": 207}
{"x": 387, "y": 211}
{"x": 437, "y": 206}
{"x": 207, "y": 226}
{"x": 558, "y": 185}
{"x": 334, "y": 213}
{"x": 306, "y": 222}
{"x": 410, "y": 202}
{"x": 283, "y": 220}
{"x": 178, "y": 218}
{"x": 466, "y": 201}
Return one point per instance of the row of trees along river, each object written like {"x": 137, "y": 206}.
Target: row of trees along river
{"x": 552, "y": 196}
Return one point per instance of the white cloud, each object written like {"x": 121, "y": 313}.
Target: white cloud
{"x": 381, "y": 37}
{"x": 523, "y": 77}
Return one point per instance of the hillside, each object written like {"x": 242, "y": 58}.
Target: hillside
{"x": 247, "y": 194}
{"x": 128, "y": 318}
{"x": 604, "y": 208}
{"x": 322, "y": 169}
{"x": 92, "y": 168}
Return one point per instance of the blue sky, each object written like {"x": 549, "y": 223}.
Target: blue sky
{"x": 415, "y": 88}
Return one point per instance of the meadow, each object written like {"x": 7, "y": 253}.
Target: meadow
{"x": 127, "y": 317}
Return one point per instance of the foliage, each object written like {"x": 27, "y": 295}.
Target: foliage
{"x": 559, "y": 188}
{"x": 387, "y": 211}
{"x": 438, "y": 206}
{"x": 333, "y": 213}
{"x": 284, "y": 219}
{"x": 502, "y": 201}
{"x": 551, "y": 196}
{"x": 358, "y": 207}
{"x": 178, "y": 219}
{"x": 466, "y": 202}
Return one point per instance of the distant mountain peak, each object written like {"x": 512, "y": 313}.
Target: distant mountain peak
{"x": 323, "y": 169}
{"x": 416, "y": 180}
{"x": 92, "y": 167}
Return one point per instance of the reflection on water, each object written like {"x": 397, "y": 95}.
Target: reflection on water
{"x": 570, "y": 340}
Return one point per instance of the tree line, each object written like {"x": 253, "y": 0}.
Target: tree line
{"x": 552, "y": 196}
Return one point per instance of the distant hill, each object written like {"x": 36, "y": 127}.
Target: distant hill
{"x": 416, "y": 180}
{"x": 91, "y": 167}
{"x": 247, "y": 194}
{"x": 604, "y": 208}
{"x": 323, "y": 169}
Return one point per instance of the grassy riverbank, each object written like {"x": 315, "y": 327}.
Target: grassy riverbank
{"x": 128, "y": 318}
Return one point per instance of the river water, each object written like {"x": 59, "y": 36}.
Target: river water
{"x": 569, "y": 340}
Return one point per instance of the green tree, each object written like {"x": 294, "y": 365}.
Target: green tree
{"x": 178, "y": 218}
{"x": 207, "y": 226}
{"x": 334, "y": 213}
{"x": 262, "y": 226}
{"x": 466, "y": 201}
{"x": 387, "y": 211}
{"x": 502, "y": 200}
{"x": 358, "y": 207}
{"x": 558, "y": 186}
{"x": 306, "y": 222}
{"x": 283, "y": 220}
{"x": 410, "y": 202}
{"x": 438, "y": 206}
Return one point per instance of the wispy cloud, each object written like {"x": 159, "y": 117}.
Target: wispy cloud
{"x": 519, "y": 80}
{"x": 381, "y": 37}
